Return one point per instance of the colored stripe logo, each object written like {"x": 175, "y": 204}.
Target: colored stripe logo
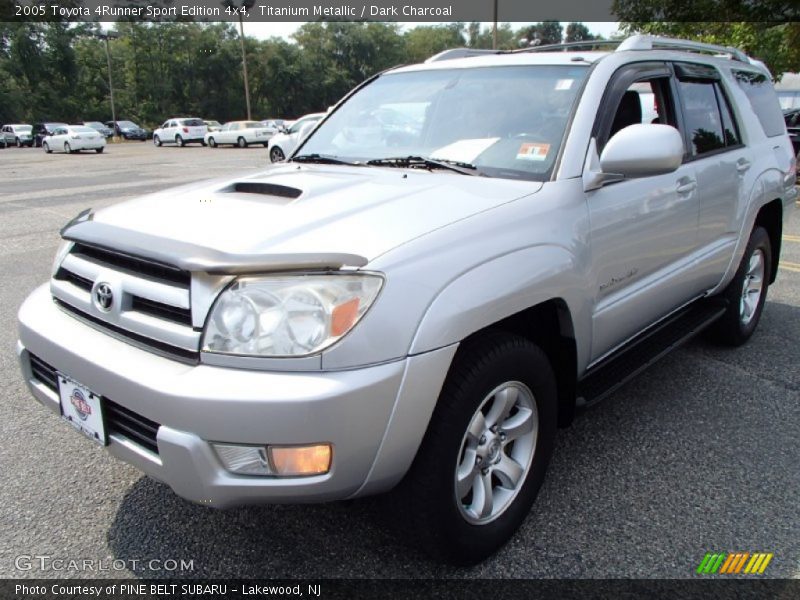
{"x": 734, "y": 563}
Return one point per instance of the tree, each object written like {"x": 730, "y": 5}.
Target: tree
{"x": 547, "y": 32}
{"x": 482, "y": 38}
{"x": 424, "y": 41}
{"x": 769, "y": 31}
{"x": 578, "y": 32}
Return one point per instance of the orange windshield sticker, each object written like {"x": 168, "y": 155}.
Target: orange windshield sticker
{"x": 533, "y": 151}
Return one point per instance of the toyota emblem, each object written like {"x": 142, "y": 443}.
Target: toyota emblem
{"x": 103, "y": 297}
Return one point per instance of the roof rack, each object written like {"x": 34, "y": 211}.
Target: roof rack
{"x": 651, "y": 42}
{"x": 567, "y": 46}
{"x": 459, "y": 53}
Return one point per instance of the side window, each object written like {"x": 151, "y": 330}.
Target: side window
{"x": 703, "y": 120}
{"x": 762, "y": 98}
{"x": 165, "y": 125}
{"x": 710, "y": 122}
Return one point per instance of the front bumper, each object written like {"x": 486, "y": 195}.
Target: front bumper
{"x": 193, "y": 405}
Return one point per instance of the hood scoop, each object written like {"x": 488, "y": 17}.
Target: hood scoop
{"x": 262, "y": 189}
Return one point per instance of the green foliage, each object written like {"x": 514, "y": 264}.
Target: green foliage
{"x": 767, "y": 30}
{"x": 59, "y": 71}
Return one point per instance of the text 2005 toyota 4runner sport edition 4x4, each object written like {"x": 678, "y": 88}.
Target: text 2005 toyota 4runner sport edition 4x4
{"x": 460, "y": 254}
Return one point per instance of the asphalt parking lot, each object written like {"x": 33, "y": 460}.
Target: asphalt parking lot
{"x": 699, "y": 454}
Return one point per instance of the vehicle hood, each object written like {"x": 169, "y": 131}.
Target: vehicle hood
{"x": 293, "y": 209}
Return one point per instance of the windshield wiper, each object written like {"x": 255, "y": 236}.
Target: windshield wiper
{"x": 421, "y": 161}
{"x": 323, "y": 159}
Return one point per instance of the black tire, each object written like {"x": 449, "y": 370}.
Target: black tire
{"x": 241, "y": 142}
{"x": 212, "y": 142}
{"x": 203, "y": 143}
{"x": 19, "y": 142}
{"x": 99, "y": 150}
{"x": 738, "y": 323}
{"x": 437, "y": 519}
{"x": 67, "y": 148}
{"x": 46, "y": 148}
{"x": 156, "y": 141}
{"x": 276, "y": 155}
{"x": 179, "y": 141}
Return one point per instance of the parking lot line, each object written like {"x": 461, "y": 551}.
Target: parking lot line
{"x": 791, "y": 238}
{"x": 790, "y": 266}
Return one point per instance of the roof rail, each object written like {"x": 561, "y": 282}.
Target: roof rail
{"x": 566, "y": 46}
{"x": 651, "y": 42}
{"x": 459, "y": 53}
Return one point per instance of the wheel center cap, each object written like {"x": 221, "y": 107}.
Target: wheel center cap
{"x": 493, "y": 455}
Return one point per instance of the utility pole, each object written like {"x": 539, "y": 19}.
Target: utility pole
{"x": 240, "y": 10}
{"x": 494, "y": 27}
{"x": 106, "y": 36}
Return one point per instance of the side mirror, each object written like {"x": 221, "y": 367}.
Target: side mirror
{"x": 642, "y": 150}
{"x": 304, "y": 130}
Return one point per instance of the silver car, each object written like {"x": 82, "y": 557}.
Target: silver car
{"x": 460, "y": 255}
{"x": 18, "y": 135}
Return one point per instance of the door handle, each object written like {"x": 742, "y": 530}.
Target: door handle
{"x": 742, "y": 165}
{"x": 686, "y": 187}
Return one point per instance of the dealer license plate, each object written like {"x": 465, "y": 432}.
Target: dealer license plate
{"x": 83, "y": 408}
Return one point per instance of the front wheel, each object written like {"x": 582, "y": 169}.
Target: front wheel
{"x": 19, "y": 143}
{"x": 212, "y": 142}
{"x": 67, "y": 148}
{"x": 746, "y": 293}
{"x": 46, "y": 148}
{"x": 486, "y": 450}
{"x": 156, "y": 140}
{"x": 179, "y": 141}
{"x": 276, "y": 154}
{"x": 99, "y": 150}
{"x": 241, "y": 142}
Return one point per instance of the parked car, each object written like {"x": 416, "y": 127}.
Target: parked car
{"x": 3, "y": 142}
{"x": 104, "y": 130}
{"x": 276, "y": 125}
{"x": 283, "y": 144}
{"x": 41, "y": 130}
{"x": 17, "y": 134}
{"x": 128, "y": 130}
{"x": 181, "y": 131}
{"x": 422, "y": 317}
{"x": 240, "y": 133}
{"x": 74, "y": 138}
{"x": 213, "y": 125}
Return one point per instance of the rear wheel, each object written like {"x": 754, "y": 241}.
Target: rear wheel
{"x": 241, "y": 142}
{"x": 19, "y": 143}
{"x": 486, "y": 450}
{"x": 179, "y": 141}
{"x": 156, "y": 140}
{"x": 276, "y": 154}
{"x": 99, "y": 150}
{"x": 746, "y": 293}
{"x": 67, "y": 148}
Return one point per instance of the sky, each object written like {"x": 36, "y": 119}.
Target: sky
{"x": 284, "y": 30}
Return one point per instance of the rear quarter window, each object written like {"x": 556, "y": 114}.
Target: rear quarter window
{"x": 761, "y": 93}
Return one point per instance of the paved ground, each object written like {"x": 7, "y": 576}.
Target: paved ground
{"x": 699, "y": 454}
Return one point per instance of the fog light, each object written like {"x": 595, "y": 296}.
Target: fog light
{"x": 244, "y": 460}
{"x": 300, "y": 460}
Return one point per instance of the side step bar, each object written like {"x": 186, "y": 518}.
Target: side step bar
{"x": 647, "y": 348}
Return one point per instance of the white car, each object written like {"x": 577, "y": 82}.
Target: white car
{"x": 18, "y": 134}
{"x": 240, "y": 133}
{"x": 74, "y": 138}
{"x": 283, "y": 144}
{"x": 181, "y": 131}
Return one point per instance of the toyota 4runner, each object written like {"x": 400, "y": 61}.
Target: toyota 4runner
{"x": 458, "y": 255}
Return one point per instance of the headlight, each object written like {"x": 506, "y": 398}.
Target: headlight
{"x": 289, "y": 315}
{"x": 63, "y": 250}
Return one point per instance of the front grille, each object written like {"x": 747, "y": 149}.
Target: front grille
{"x": 150, "y": 302}
{"x": 118, "y": 419}
{"x": 161, "y": 310}
{"x": 134, "y": 265}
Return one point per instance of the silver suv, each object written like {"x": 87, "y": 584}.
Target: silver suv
{"x": 458, "y": 256}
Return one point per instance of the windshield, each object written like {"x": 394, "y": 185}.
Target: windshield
{"x": 130, "y": 124}
{"x": 95, "y": 124}
{"x": 506, "y": 121}
{"x": 82, "y": 129}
